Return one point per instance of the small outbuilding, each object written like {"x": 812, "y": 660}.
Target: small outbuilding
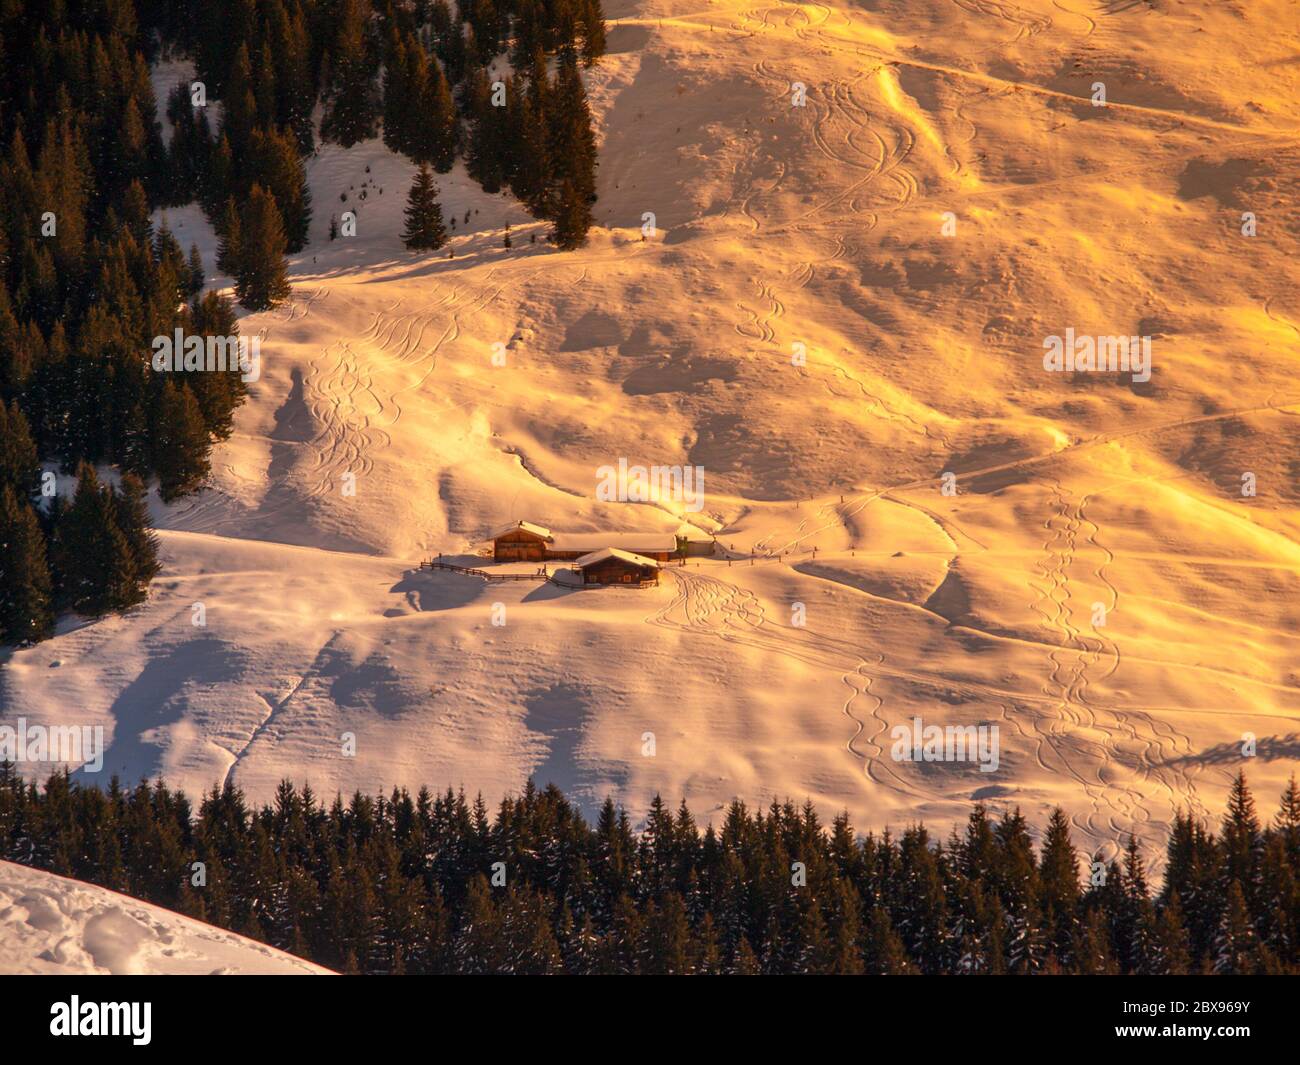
{"x": 610, "y": 565}
{"x": 692, "y": 543}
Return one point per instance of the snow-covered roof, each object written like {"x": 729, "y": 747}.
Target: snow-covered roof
{"x": 526, "y": 526}
{"x": 613, "y": 552}
{"x": 695, "y": 535}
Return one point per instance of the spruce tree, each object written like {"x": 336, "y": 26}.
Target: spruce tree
{"x": 274, "y": 163}
{"x": 1091, "y": 952}
{"x": 573, "y": 141}
{"x": 181, "y": 443}
{"x": 1171, "y": 949}
{"x": 239, "y": 114}
{"x": 260, "y": 279}
{"x": 194, "y": 277}
{"x": 424, "y": 227}
{"x": 1240, "y": 840}
{"x": 26, "y": 606}
{"x": 884, "y": 954}
{"x": 20, "y": 467}
{"x": 1287, "y": 821}
{"x": 350, "y": 116}
{"x": 1059, "y": 876}
{"x": 229, "y": 243}
{"x": 572, "y": 218}
{"x": 435, "y": 126}
{"x": 486, "y": 145}
{"x": 217, "y": 178}
{"x": 91, "y": 558}
{"x": 397, "y": 98}
{"x": 591, "y": 22}
{"x": 132, "y": 515}
{"x": 1236, "y": 947}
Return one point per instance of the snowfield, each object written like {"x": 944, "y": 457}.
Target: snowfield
{"x": 50, "y": 925}
{"x": 840, "y": 303}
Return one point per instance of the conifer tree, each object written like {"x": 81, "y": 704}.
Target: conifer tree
{"x": 571, "y": 180}
{"x": 216, "y": 182}
{"x": 260, "y": 279}
{"x": 218, "y": 394}
{"x": 530, "y": 164}
{"x": 1091, "y": 952}
{"x": 424, "y": 226}
{"x": 350, "y": 116}
{"x": 132, "y": 516}
{"x": 239, "y": 113}
{"x": 397, "y": 98}
{"x": 884, "y": 954}
{"x": 485, "y": 150}
{"x": 1240, "y": 840}
{"x": 229, "y": 243}
{"x": 274, "y": 159}
{"x": 1236, "y": 947}
{"x": 20, "y": 467}
{"x": 181, "y": 443}
{"x": 190, "y": 145}
{"x": 194, "y": 275}
{"x": 1059, "y": 876}
{"x": 435, "y": 127}
{"x": 1171, "y": 949}
{"x": 591, "y": 23}
{"x": 90, "y": 556}
{"x": 26, "y": 607}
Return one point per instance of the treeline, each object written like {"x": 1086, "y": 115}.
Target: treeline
{"x": 86, "y": 283}
{"x": 434, "y": 884}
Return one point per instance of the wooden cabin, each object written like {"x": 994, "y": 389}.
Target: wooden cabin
{"x": 523, "y": 542}
{"x": 609, "y": 565}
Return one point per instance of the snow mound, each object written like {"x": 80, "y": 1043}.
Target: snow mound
{"x": 50, "y": 925}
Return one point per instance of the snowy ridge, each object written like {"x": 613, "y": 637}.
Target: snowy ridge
{"x": 50, "y": 925}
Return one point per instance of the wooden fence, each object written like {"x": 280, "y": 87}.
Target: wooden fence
{"x": 433, "y": 564}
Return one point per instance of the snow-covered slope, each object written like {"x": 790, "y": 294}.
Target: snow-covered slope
{"x": 52, "y": 925}
{"x": 1098, "y": 587}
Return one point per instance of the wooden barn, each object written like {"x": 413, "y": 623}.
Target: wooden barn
{"x": 523, "y": 542}
{"x": 609, "y": 565}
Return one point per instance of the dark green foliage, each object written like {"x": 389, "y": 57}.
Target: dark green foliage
{"x": 486, "y": 148}
{"x": 228, "y": 239}
{"x": 260, "y": 277}
{"x": 351, "y": 115}
{"x": 424, "y": 228}
{"x": 194, "y": 273}
{"x": 273, "y": 157}
{"x": 404, "y": 884}
{"x": 180, "y": 442}
{"x": 26, "y": 590}
{"x": 591, "y": 24}
{"x": 19, "y": 462}
{"x": 131, "y": 512}
{"x": 91, "y": 554}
